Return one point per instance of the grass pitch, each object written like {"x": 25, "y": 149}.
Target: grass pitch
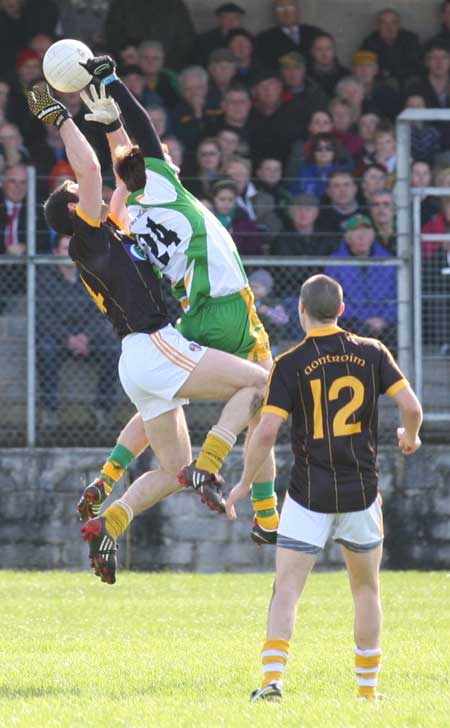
{"x": 180, "y": 650}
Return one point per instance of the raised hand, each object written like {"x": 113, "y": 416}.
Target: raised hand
{"x": 103, "y": 108}
{"x": 44, "y": 107}
{"x": 100, "y": 67}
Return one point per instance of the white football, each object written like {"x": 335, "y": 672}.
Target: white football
{"x": 61, "y": 65}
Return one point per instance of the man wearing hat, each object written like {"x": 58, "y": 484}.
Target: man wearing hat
{"x": 301, "y": 95}
{"x": 229, "y": 17}
{"x": 289, "y": 34}
{"x": 370, "y": 291}
{"x": 398, "y": 50}
{"x": 380, "y": 97}
{"x": 221, "y": 71}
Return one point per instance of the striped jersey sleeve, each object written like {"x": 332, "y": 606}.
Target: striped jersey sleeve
{"x": 392, "y": 379}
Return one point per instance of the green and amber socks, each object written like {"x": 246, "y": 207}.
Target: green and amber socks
{"x": 367, "y": 668}
{"x": 264, "y": 501}
{"x": 216, "y": 447}
{"x": 274, "y": 655}
{"x": 115, "y": 466}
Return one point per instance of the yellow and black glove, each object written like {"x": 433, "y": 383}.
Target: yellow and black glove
{"x": 44, "y": 107}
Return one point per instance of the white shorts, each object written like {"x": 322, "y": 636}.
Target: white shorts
{"x": 153, "y": 367}
{"x": 303, "y": 530}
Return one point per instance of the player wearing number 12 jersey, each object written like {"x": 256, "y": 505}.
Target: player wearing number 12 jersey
{"x": 330, "y": 384}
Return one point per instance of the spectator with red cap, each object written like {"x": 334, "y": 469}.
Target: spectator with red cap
{"x": 28, "y": 68}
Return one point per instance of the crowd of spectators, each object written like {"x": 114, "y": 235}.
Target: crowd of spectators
{"x": 292, "y": 150}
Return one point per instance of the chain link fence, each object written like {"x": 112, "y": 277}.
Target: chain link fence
{"x": 58, "y": 355}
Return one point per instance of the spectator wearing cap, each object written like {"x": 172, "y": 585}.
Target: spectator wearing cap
{"x": 28, "y": 68}
{"x": 161, "y": 84}
{"x": 229, "y": 16}
{"x": 313, "y": 177}
{"x": 222, "y": 67}
{"x": 258, "y": 204}
{"x": 289, "y": 34}
{"x": 242, "y": 45}
{"x": 339, "y": 204}
{"x": 370, "y": 291}
{"x": 271, "y": 126}
{"x": 324, "y": 67}
{"x": 301, "y": 95}
{"x": 379, "y": 96}
{"x": 234, "y": 218}
{"x": 398, "y": 51}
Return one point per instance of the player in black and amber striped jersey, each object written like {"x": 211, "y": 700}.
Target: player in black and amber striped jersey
{"x": 330, "y": 384}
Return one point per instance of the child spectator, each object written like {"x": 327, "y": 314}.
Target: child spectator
{"x": 373, "y": 179}
{"x": 207, "y": 169}
{"x": 313, "y": 178}
{"x": 386, "y": 151}
{"x": 241, "y": 228}
{"x": 270, "y": 309}
{"x": 425, "y": 138}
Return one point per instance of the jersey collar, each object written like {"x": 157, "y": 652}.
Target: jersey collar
{"x": 323, "y": 331}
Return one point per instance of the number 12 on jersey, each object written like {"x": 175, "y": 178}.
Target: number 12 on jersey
{"x": 341, "y": 426}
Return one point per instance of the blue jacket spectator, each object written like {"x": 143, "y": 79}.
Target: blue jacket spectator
{"x": 313, "y": 177}
{"x": 370, "y": 292}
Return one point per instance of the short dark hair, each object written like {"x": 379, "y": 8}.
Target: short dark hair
{"x": 57, "y": 214}
{"x": 322, "y": 297}
{"x": 130, "y": 167}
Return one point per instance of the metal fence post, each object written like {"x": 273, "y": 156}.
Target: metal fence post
{"x": 405, "y": 299}
{"x": 417, "y": 273}
{"x": 31, "y": 306}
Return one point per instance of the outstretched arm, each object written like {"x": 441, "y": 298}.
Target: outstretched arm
{"x": 137, "y": 121}
{"x": 80, "y": 154}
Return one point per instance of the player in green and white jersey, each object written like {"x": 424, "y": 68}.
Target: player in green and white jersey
{"x": 187, "y": 243}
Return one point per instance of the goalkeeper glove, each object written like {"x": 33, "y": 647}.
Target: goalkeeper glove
{"x": 102, "y": 68}
{"x": 103, "y": 108}
{"x": 45, "y": 107}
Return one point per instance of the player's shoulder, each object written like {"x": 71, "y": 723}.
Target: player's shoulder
{"x": 364, "y": 342}
{"x": 286, "y": 358}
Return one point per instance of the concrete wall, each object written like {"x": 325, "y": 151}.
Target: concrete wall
{"x": 348, "y": 20}
{"x": 39, "y": 526}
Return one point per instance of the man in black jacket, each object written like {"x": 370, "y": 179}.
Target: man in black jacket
{"x": 288, "y": 35}
{"x": 229, "y": 17}
{"x": 398, "y": 50}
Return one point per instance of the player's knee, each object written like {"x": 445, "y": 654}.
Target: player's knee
{"x": 256, "y": 403}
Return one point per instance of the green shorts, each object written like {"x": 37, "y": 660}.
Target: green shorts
{"x": 228, "y": 323}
